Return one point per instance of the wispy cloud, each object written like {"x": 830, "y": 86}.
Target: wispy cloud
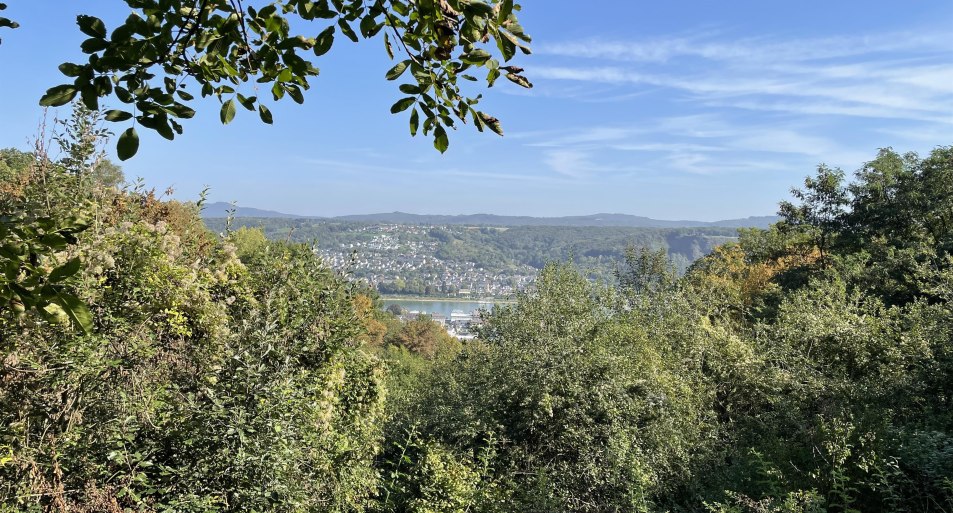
{"x": 696, "y": 144}
{"x": 571, "y": 163}
{"x": 897, "y": 76}
{"x": 931, "y": 134}
{"x": 717, "y": 46}
{"x": 585, "y": 136}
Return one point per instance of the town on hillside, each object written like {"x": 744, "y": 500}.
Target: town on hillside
{"x": 402, "y": 259}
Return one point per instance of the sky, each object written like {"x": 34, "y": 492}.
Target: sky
{"x": 672, "y": 110}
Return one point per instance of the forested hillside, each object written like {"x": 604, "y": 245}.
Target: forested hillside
{"x": 149, "y": 364}
{"x": 441, "y": 259}
{"x": 223, "y": 210}
{"x": 593, "y": 220}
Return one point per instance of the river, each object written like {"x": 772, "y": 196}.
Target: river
{"x": 438, "y": 306}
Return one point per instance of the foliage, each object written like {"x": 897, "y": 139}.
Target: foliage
{"x": 777, "y": 375}
{"x": 513, "y": 254}
{"x": 219, "y": 47}
{"x": 208, "y": 381}
{"x": 6, "y": 22}
{"x": 33, "y": 277}
{"x": 645, "y": 272}
{"x": 576, "y": 411}
{"x": 822, "y": 206}
{"x": 801, "y": 369}
{"x": 850, "y": 334}
{"x": 425, "y": 337}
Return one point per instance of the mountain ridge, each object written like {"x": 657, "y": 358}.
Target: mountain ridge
{"x": 220, "y": 209}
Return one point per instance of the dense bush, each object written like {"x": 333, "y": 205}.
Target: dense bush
{"x": 151, "y": 365}
{"x": 220, "y": 374}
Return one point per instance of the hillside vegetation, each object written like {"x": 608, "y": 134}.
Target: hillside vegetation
{"x": 149, "y": 364}
{"x": 223, "y": 210}
{"x": 493, "y": 252}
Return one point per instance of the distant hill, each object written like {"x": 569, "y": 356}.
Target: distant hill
{"x": 620, "y": 220}
{"x": 748, "y": 222}
{"x": 220, "y": 209}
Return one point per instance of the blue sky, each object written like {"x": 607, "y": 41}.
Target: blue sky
{"x": 676, "y": 110}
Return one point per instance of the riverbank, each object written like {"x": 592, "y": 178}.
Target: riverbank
{"x": 437, "y": 299}
{"x": 440, "y": 306}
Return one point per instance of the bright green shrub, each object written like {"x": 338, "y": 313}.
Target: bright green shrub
{"x": 209, "y": 382}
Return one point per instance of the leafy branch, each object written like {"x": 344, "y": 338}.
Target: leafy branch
{"x": 149, "y": 61}
{"x": 6, "y": 22}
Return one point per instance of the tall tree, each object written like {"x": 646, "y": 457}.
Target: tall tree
{"x": 881, "y": 196}
{"x": 822, "y": 207}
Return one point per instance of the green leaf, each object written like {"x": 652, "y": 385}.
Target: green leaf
{"x": 295, "y": 93}
{"x": 369, "y": 26}
{"x": 492, "y": 76}
{"x": 347, "y": 30}
{"x": 401, "y": 8}
{"x": 506, "y": 8}
{"x": 410, "y": 89}
{"x": 77, "y": 311}
{"x": 91, "y": 26}
{"x": 59, "y": 95}
{"x": 402, "y": 104}
{"x": 440, "y": 140}
{"x": 479, "y": 7}
{"x": 103, "y": 85}
{"x": 124, "y": 95}
{"x": 324, "y": 13}
{"x": 397, "y": 70}
{"x": 324, "y": 41}
{"x": 414, "y": 122}
{"x": 388, "y": 47}
{"x": 265, "y": 114}
{"x": 90, "y": 97}
{"x": 507, "y": 47}
{"x": 54, "y": 241}
{"x": 248, "y": 103}
{"x": 182, "y": 111}
{"x": 128, "y": 144}
{"x": 277, "y": 91}
{"x": 227, "y": 114}
{"x": 477, "y": 120}
{"x": 71, "y": 70}
{"x": 117, "y": 115}
{"x": 227, "y": 67}
{"x": 163, "y": 128}
{"x": 93, "y": 45}
{"x": 65, "y": 271}
{"x": 476, "y": 57}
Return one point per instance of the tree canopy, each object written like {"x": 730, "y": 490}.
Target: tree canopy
{"x": 231, "y": 372}
{"x": 168, "y": 51}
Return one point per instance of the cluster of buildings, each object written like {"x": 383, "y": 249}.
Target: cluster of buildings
{"x": 402, "y": 259}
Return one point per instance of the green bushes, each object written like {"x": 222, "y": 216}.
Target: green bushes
{"x": 232, "y": 373}
{"x": 208, "y": 382}
{"x": 570, "y": 406}
{"x": 781, "y": 374}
